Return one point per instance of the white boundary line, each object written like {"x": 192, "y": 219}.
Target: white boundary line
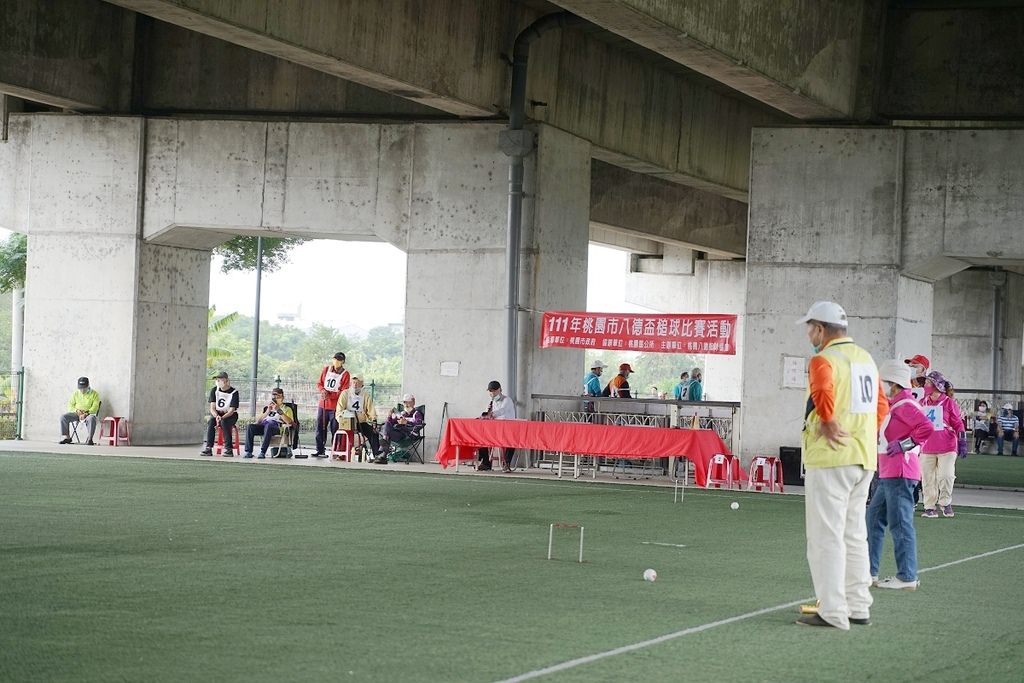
{"x": 667, "y": 545}
{"x": 573, "y": 663}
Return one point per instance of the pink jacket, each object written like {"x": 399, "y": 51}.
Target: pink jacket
{"x": 905, "y": 419}
{"x": 944, "y": 438}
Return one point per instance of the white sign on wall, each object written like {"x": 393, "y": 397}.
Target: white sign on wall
{"x": 450, "y": 368}
{"x": 794, "y": 372}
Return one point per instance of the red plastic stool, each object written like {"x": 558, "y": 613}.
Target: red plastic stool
{"x": 120, "y": 431}
{"x": 719, "y": 474}
{"x": 341, "y": 447}
{"x": 765, "y": 473}
{"x": 235, "y": 445}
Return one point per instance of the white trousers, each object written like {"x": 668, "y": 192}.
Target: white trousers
{"x": 837, "y": 542}
{"x": 938, "y": 472}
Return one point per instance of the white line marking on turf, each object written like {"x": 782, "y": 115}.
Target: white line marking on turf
{"x": 667, "y": 545}
{"x": 986, "y": 514}
{"x": 573, "y": 663}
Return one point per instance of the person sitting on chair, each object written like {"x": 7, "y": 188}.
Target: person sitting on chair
{"x": 83, "y": 406}
{"x": 357, "y": 401}
{"x": 501, "y": 407}
{"x": 406, "y": 424}
{"x": 275, "y": 415}
{"x": 223, "y": 414}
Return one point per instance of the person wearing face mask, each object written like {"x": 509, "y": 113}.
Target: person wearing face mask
{"x": 359, "y": 402}
{"x": 981, "y": 423}
{"x": 919, "y": 366}
{"x": 618, "y": 386}
{"x": 696, "y": 388}
{"x": 939, "y": 453}
{"x": 845, "y": 407}
{"x": 1007, "y": 427}
{"x": 334, "y": 379}
{"x": 223, "y": 414}
{"x": 501, "y": 407}
{"x": 900, "y": 437}
{"x": 275, "y": 415}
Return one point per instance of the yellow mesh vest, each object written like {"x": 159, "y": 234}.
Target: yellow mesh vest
{"x": 855, "y": 380}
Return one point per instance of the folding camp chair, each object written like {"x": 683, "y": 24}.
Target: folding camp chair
{"x": 287, "y": 440}
{"x": 410, "y": 448}
{"x": 75, "y": 424}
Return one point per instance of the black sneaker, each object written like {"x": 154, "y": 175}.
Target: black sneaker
{"x": 319, "y": 454}
{"x": 860, "y": 621}
{"x": 206, "y": 451}
{"x": 66, "y": 440}
{"x": 228, "y": 454}
{"x": 813, "y": 620}
{"x": 90, "y": 442}
{"x": 247, "y": 455}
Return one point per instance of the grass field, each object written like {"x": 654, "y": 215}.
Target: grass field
{"x": 991, "y": 470}
{"x": 150, "y": 570}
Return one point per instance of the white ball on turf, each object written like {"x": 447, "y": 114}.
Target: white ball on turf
{"x": 735, "y": 505}
{"x": 650, "y": 575}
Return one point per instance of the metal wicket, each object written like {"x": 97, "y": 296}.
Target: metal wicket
{"x": 563, "y": 525}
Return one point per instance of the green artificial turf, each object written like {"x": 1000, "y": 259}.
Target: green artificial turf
{"x": 991, "y": 470}
{"x": 130, "y": 569}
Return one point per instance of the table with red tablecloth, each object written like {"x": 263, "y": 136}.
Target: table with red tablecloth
{"x": 463, "y": 436}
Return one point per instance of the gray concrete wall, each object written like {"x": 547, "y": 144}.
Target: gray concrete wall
{"x": 98, "y": 301}
{"x": 954, "y": 63}
{"x": 870, "y": 219}
{"x": 962, "y": 335}
{"x": 455, "y": 300}
{"x": 67, "y": 54}
{"x": 797, "y": 56}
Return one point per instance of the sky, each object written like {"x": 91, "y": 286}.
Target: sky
{"x": 382, "y": 266}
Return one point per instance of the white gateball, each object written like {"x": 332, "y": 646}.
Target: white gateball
{"x": 650, "y": 575}
{"x": 735, "y": 505}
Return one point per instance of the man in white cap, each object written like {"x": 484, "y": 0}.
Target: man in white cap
{"x": 405, "y": 424}
{"x": 845, "y": 407}
{"x": 592, "y": 382}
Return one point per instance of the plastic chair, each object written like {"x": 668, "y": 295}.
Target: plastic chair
{"x": 719, "y": 472}
{"x": 236, "y": 445}
{"x": 120, "y": 431}
{"x": 348, "y": 446}
{"x": 765, "y": 473}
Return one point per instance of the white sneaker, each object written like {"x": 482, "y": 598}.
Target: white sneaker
{"x": 897, "y": 583}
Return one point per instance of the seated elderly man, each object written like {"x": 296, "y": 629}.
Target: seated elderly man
{"x": 82, "y": 407}
{"x": 275, "y": 415}
{"x": 359, "y": 403}
{"x": 406, "y": 424}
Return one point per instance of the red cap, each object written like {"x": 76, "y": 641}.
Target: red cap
{"x": 625, "y": 368}
{"x": 919, "y": 360}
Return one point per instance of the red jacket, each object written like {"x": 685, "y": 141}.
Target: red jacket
{"x": 331, "y": 402}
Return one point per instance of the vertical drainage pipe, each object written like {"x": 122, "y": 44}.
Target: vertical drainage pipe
{"x": 997, "y": 279}
{"x": 517, "y": 143}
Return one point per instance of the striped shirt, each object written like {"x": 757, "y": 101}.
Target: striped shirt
{"x": 1007, "y": 422}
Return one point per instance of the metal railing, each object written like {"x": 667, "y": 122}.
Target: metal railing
{"x": 719, "y": 416}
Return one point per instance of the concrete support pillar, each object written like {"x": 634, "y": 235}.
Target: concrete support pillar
{"x": 962, "y": 338}
{"x": 815, "y": 196}
{"x": 455, "y": 327}
{"x": 99, "y": 302}
{"x": 676, "y": 283}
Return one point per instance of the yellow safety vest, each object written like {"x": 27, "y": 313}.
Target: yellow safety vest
{"x": 855, "y": 382}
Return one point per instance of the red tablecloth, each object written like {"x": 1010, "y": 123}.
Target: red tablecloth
{"x": 696, "y": 445}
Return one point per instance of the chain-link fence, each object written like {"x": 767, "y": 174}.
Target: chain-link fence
{"x": 11, "y": 404}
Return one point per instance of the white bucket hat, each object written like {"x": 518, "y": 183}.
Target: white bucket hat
{"x": 895, "y": 371}
{"x": 408, "y": 397}
{"x": 597, "y": 364}
{"x": 825, "y": 312}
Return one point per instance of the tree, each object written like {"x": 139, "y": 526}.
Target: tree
{"x": 214, "y": 352}
{"x": 13, "y": 257}
{"x": 239, "y": 253}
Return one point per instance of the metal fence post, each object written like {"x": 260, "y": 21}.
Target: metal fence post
{"x": 19, "y": 403}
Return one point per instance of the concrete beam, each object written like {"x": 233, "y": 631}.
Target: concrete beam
{"x": 611, "y": 236}
{"x": 667, "y": 212}
{"x": 799, "y": 57}
{"x": 73, "y": 55}
{"x": 955, "y": 63}
{"x": 442, "y": 54}
{"x": 185, "y": 71}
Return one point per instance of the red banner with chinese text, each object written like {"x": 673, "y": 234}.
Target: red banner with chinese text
{"x": 709, "y": 333}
